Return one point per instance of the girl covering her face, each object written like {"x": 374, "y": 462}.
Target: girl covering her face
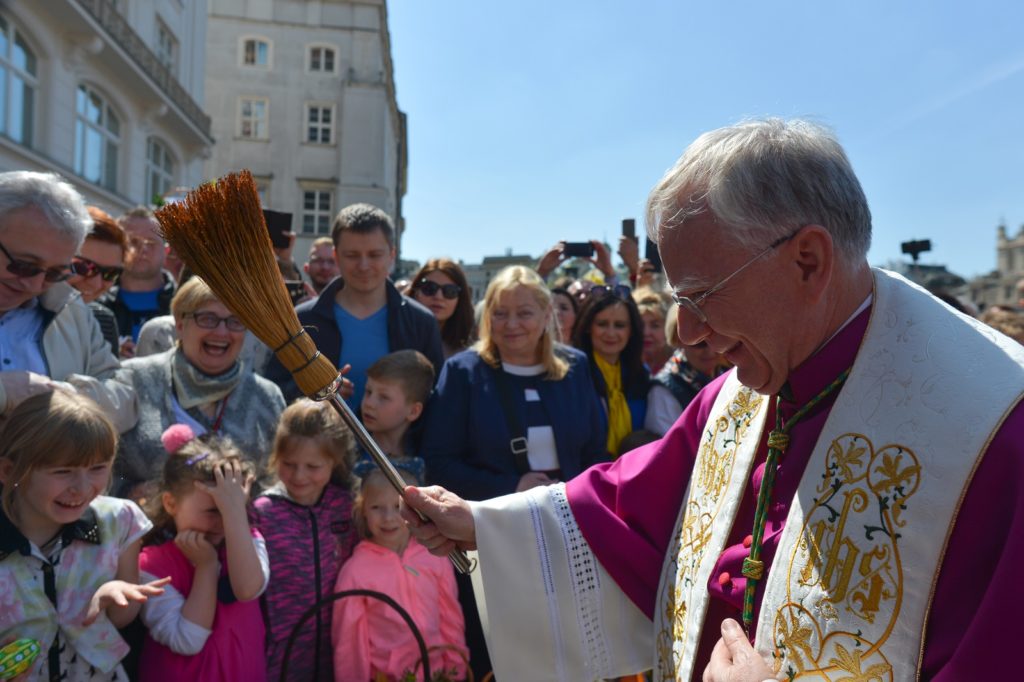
{"x": 209, "y": 619}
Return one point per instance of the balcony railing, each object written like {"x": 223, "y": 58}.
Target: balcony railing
{"x": 121, "y": 33}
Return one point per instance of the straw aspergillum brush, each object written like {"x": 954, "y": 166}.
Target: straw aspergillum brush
{"x": 218, "y": 230}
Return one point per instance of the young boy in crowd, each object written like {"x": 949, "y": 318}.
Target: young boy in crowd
{"x": 397, "y": 388}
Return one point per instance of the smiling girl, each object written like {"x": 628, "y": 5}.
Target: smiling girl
{"x": 306, "y": 519}
{"x": 370, "y": 638}
{"x": 68, "y": 555}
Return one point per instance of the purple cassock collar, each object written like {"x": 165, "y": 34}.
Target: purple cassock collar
{"x": 627, "y": 509}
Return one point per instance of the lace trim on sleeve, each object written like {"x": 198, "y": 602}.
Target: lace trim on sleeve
{"x": 586, "y": 585}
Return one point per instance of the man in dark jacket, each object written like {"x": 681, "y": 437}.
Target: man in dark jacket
{"x": 360, "y": 316}
{"x": 145, "y": 289}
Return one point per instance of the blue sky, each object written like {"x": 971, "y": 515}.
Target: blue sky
{"x": 532, "y": 121}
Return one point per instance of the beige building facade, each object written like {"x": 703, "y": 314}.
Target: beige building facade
{"x": 107, "y": 93}
{"x": 1000, "y": 286}
{"x": 302, "y": 93}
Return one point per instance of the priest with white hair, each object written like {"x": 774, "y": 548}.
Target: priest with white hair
{"x": 845, "y": 504}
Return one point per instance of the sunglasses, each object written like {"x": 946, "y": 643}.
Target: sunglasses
{"x": 84, "y": 267}
{"x": 619, "y": 291}
{"x": 22, "y": 268}
{"x": 449, "y": 291}
{"x": 207, "y": 320}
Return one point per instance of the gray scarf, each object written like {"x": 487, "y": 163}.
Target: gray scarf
{"x": 193, "y": 388}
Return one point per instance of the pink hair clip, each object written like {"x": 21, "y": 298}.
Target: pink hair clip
{"x": 176, "y": 436}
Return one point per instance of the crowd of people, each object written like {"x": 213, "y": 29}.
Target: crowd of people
{"x": 140, "y": 415}
{"x": 174, "y": 508}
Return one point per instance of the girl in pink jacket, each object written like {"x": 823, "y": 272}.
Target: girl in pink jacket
{"x": 369, "y": 637}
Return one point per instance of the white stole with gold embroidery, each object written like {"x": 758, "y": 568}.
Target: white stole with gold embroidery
{"x": 713, "y": 495}
{"x": 849, "y": 590}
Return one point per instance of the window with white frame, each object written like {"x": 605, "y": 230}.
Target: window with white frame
{"x": 320, "y": 123}
{"x": 159, "y": 170}
{"x": 321, "y": 59}
{"x": 256, "y": 52}
{"x": 316, "y": 211}
{"x": 18, "y": 84}
{"x": 252, "y": 118}
{"x": 97, "y": 138}
{"x": 166, "y": 47}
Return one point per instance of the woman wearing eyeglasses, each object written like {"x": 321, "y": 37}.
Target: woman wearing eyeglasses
{"x": 610, "y": 331}
{"x": 441, "y": 286}
{"x": 199, "y": 382}
{"x": 97, "y": 267}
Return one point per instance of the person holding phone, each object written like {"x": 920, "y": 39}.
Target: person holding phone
{"x": 593, "y": 251}
{"x": 851, "y": 491}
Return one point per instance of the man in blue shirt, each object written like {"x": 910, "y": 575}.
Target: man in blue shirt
{"x": 48, "y": 337}
{"x": 360, "y": 316}
{"x": 145, "y": 290}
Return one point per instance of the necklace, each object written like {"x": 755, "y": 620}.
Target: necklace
{"x": 778, "y": 441}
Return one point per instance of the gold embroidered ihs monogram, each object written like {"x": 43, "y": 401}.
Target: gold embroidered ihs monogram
{"x": 712, "y": 473}
{"x": 847, "y": 566}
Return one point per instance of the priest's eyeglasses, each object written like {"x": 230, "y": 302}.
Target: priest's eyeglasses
{"x": 693, "y": 305}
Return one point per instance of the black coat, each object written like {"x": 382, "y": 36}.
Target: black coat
{"x": 410, "y": 325}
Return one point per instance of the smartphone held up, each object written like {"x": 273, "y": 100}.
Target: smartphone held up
{"x": 578, "y": 250}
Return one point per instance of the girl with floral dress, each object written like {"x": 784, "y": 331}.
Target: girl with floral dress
{"x": 69, "y": 568}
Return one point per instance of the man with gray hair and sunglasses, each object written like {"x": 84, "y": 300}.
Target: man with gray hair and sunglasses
{"x": 48, "y": 337}
{"x": 845, "y": 504}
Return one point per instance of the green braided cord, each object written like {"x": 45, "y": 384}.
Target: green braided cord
{"x": 752, "y": 566}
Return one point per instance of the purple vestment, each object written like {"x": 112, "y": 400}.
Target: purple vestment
{"x": 627, "y": 511}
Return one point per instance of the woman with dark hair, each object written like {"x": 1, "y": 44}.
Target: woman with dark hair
{"x": 610, "y": 331}
{"x": 566, "y": 308}
{"x": 98, "y": 266}
{"x": 441, "y": 286}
